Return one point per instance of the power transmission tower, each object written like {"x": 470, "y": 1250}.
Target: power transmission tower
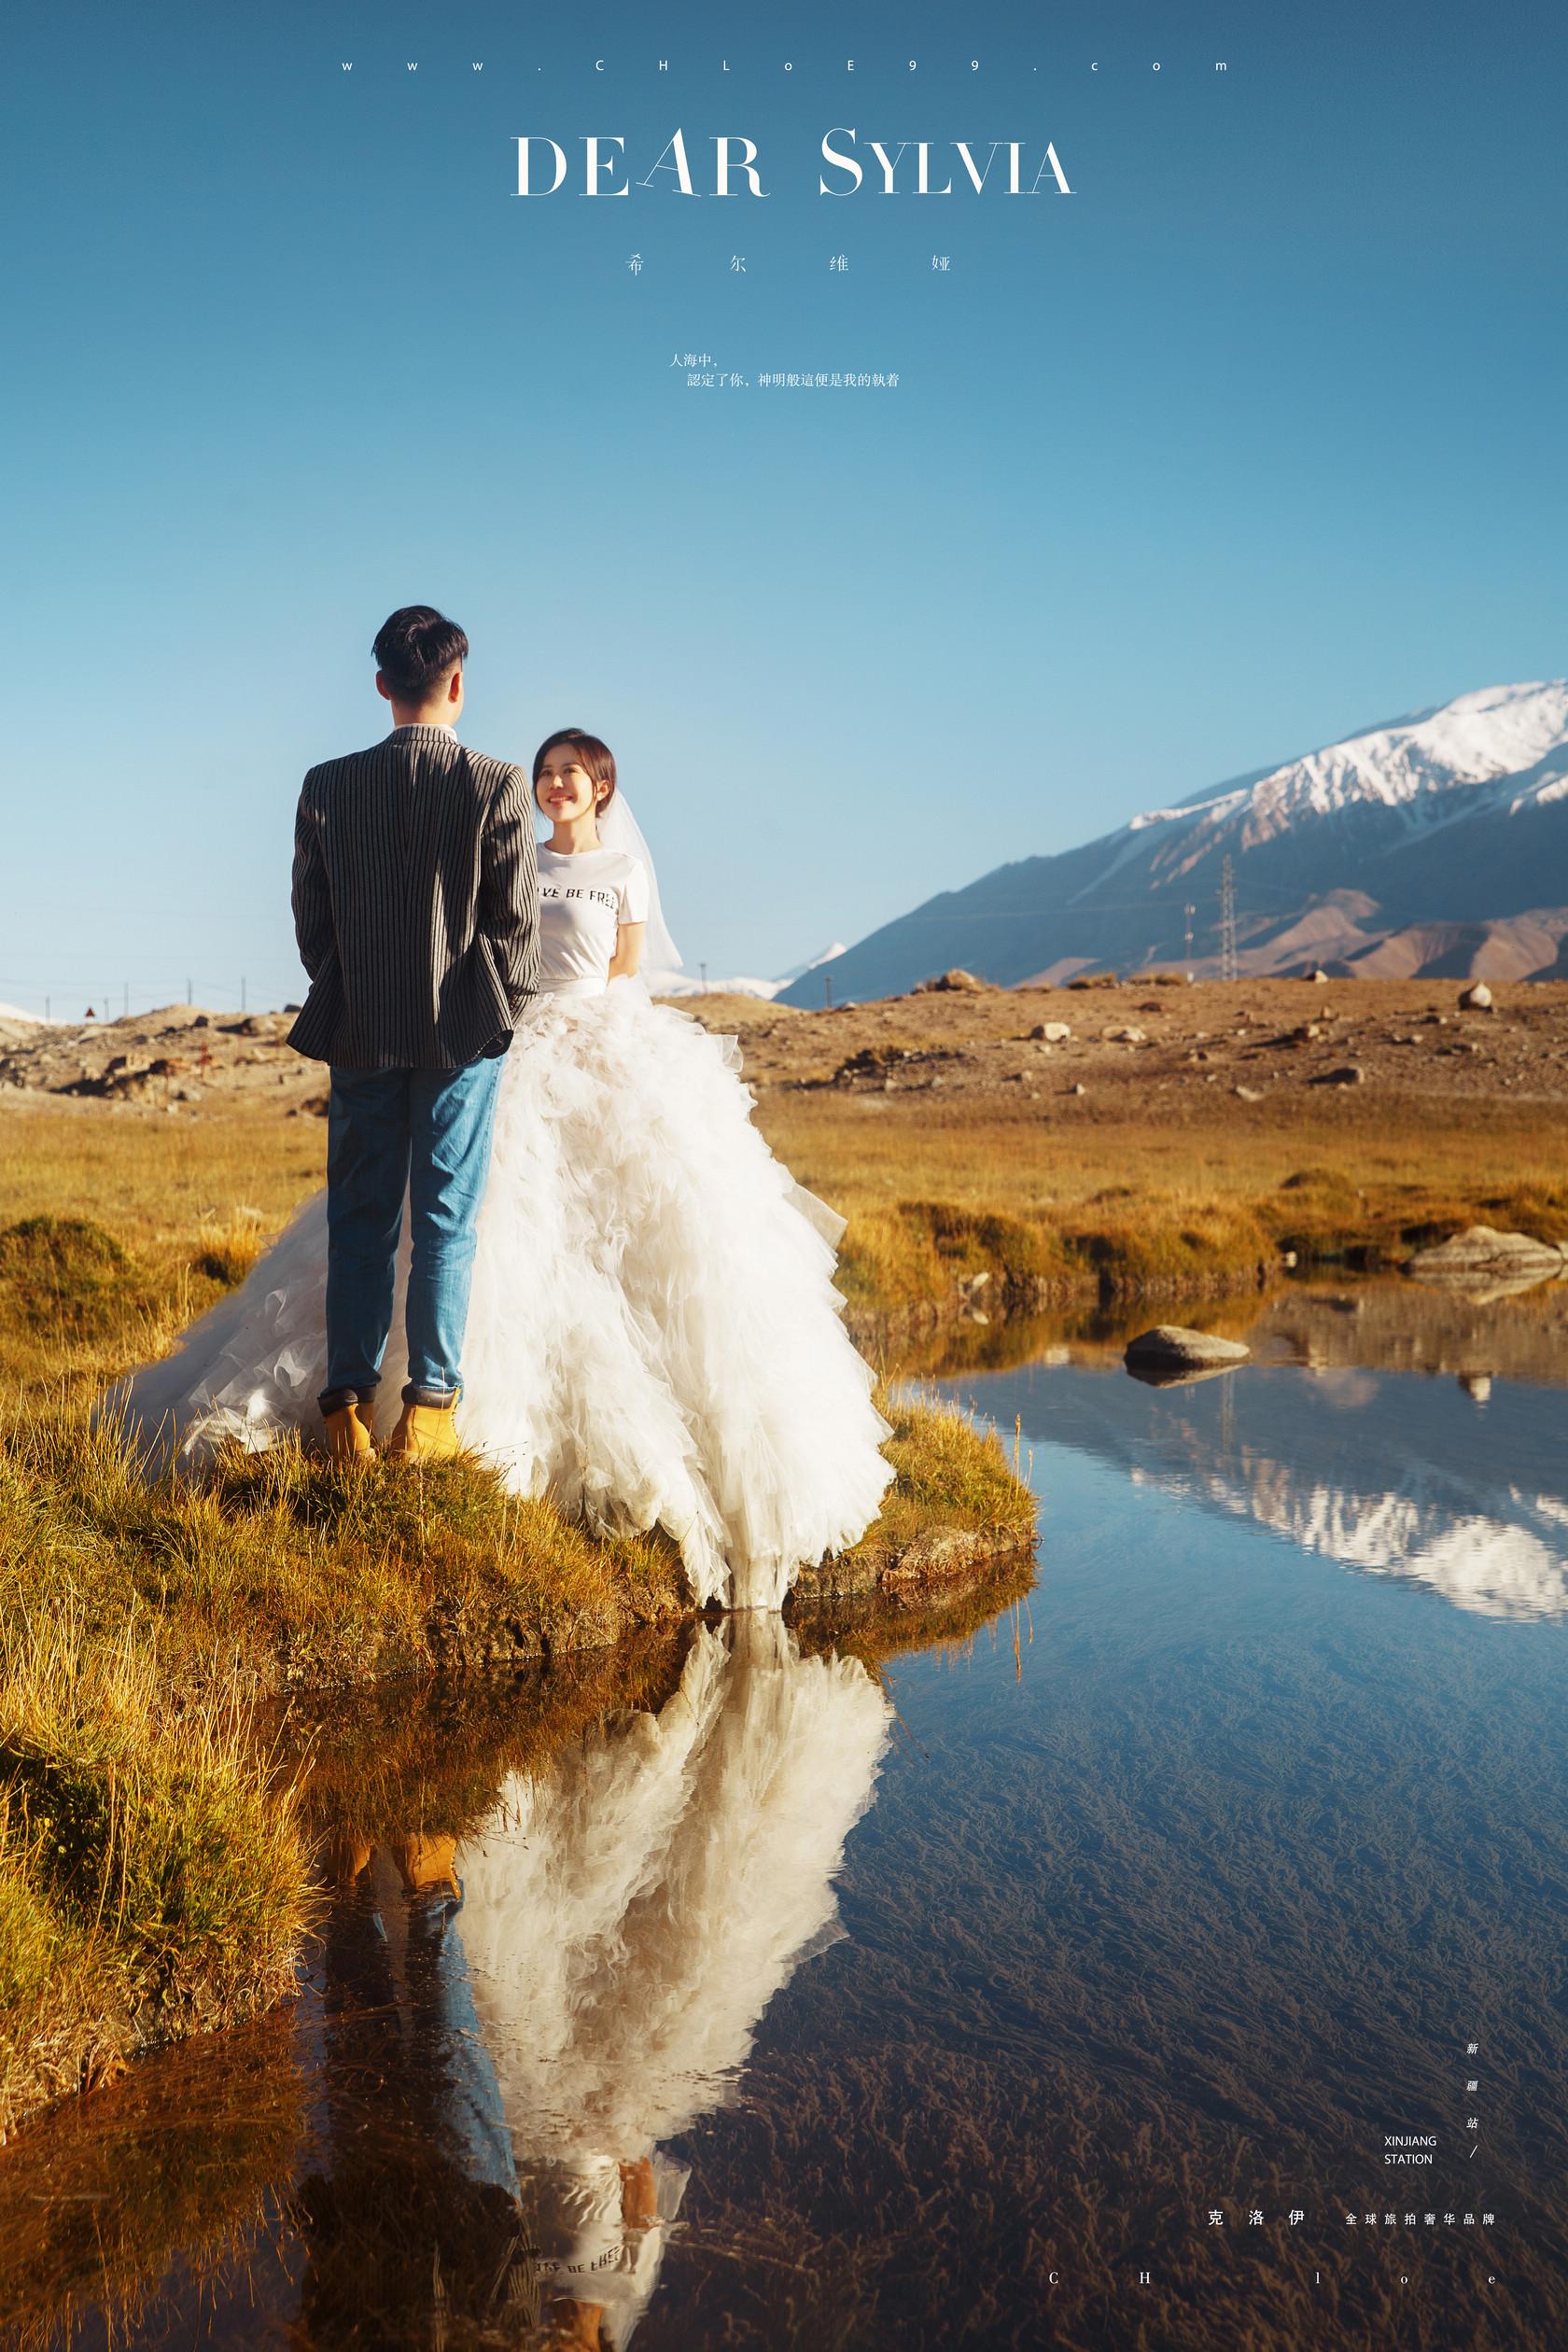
{"x": 1227, "y": 921}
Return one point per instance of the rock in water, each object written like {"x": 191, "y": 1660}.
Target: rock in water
{"x": 1170, "y": 1348}
{"x": 1483, "y": 1250}
{"x": 1477, "y": 998}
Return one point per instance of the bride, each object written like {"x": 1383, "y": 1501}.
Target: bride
{"x": 654, "y": 1335}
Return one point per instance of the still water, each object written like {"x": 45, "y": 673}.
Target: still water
{"x": 1170, "y": 1954}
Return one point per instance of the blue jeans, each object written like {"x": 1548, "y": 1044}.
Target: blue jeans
{"x": 426, "y": 1132}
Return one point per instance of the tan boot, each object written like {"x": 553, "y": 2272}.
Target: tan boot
{"x": 425, "y": 1433}
{"x": 348, "y": 1437}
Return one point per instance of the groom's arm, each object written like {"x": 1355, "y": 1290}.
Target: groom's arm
{"x": 312, "y": 898}
{"x": 509, "y": 887}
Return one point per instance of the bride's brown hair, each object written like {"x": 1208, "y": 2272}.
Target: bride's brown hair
{"x": 596, "y": 757}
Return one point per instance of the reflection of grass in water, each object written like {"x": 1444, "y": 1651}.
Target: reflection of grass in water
{"x": 189, "y": 2155}
{"x": 876, "y": 1625}
{"x": 429, "y": 1756}
{"x": 414, "y": 1758}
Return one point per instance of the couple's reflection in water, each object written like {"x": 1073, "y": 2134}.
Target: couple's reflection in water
{"x": 519, "y": 2016}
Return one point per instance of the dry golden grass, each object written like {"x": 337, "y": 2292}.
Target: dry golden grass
{"x": 952, "y": 1477}
{"x": 1122, "y": 1205}
{"x": 1236, "y": 1153}
{"x": 151, "y": 1873}
{"x": 154, "y": 1180}
{"x": 1193, "y": 1195}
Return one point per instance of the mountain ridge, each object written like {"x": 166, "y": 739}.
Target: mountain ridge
{"x": 1436, "y": 842}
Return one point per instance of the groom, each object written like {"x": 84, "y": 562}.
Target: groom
{"x": 415, "y": 907}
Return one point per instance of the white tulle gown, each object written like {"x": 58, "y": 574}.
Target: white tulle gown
{"x": 654, "y": 1336}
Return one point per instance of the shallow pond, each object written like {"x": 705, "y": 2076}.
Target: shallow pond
{"x": 1174, "y": 1957}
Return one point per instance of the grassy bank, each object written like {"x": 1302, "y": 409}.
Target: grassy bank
{"x": 281, "y": 1571}
{"x": 1132, "y": 1241}
{"x": 152, "y": 1877}
{"x": 152, "y": 1870}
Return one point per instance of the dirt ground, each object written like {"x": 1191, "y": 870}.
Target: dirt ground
{"x": 1241, "y": 1041}
{"x": 1201, "y": 1049}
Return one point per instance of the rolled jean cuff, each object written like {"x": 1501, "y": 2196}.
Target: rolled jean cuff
{"x": 415, "y": 1395}
{"x": 332, "y": 1400}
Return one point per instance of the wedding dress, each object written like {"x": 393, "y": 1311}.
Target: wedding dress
{"x": 654, "y": 1336}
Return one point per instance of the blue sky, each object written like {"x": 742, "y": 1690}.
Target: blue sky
{"x": 1252, "y": 440}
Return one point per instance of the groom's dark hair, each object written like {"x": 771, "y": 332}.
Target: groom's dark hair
{"x": 414, "y": 650}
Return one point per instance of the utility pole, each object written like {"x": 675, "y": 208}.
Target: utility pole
{"x": 827, "y": 989}
{"x": 703, "y": 969}
{"x": 241, "y": 995}
{"x": 1228, "y": 920}
{"x": 190, "y": 993}
{"x": 1187, "y": 913}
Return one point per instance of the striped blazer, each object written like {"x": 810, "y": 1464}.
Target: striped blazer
{"x": 415, "y": 904}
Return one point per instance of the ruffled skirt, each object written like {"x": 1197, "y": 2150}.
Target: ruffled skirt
{"x": 654, "y": 1336}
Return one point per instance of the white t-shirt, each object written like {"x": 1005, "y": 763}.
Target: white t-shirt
{"x": 584, "y": 901}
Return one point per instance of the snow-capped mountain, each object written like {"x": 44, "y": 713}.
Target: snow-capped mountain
{"x": 1435, "y": 844}
{"x": 813, "y": 964}
{"x": 677, "y": 984}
